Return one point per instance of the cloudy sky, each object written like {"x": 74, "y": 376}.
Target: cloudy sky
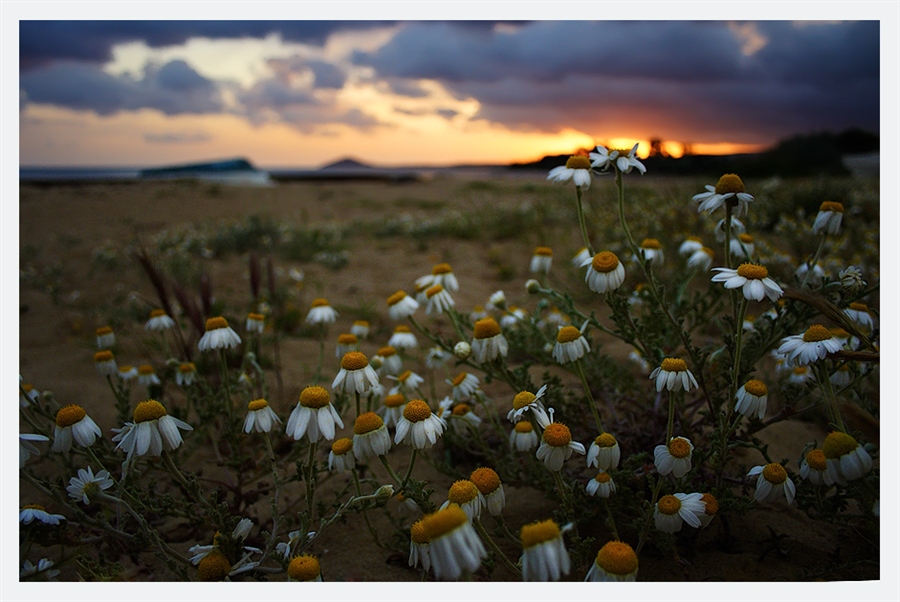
{"x": 304, "y": 93}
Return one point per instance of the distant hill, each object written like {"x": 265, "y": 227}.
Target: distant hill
{"x": 347, "y": 164}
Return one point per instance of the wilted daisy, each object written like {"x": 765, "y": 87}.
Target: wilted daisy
{"x": 604, "y": 158}
{"x": 674, "y": 458}
{"x": 616, "y": 561}
{"x": 35, "y": 512}
{"x": 443, "y": 275}
{"x": 44, "y": 568}
{"x": 438, "y": 300}
{"x": 813, "y": 345}
{"x": 454, "y": 545}
{"x": 127, "y": 373}
{"x": 87, "y": 485}
{"x": 701, "y": 259}
{"x": 846, "y": 459}
{"x": 401, "y": 306}
{"x": 541, "y": 260}
{"x": 159, "y": 320}
{"x": 752, "y": 279}
{"x": 604, "y": 452}
{"x": 388, "y": 361}
{"x": 403, "y": 338}
{"x": 752, "y": 398}
{"x": 557, "y": 446}
{"x": 147, "y": 375}
{"x": 218, "y": 335}
{"x": 320, "y": 312}
{"x": 828, "y": 220}
{"x": 260, "y": 417}
{"x": 577, "y": 169}
{"x": 570, "y": 344}
{"x": 392, "y": 410}
{"x": 673, "y": 375}
{"x": 186, "y": 374}
{"x": 773, "y": 482}
{"x": 605, "y": 272}
{"x": 859, "y": 313}
{"x": 730, "y": 189}
{"x": 304, "y": 568}
{"x": 581, "y": 257}
{"x": 436, "y": 357}
{"x": 408, "y": 383}
{"x": 27, "y": 448}
{"x": 152, "y": 431}
{"x": 418, "y": 546}
{"x": 106, "y": 338}
{"x": 314, "y": 416}
{"x": 814, "y": 468}
{"x": 255, "y": 323}
{"x": 465, "y": 494}
{"x": 488, "y": 343}
{"x": 523, "y": 438}
{"x": 341, "y": 457}
{"x": 527, "y": 401}
{"x": 360, "y": 329}
{"x": 418, "y": 426}
{"x": 464, "y": 385}
{"x": 742, "y": 246}
{"x": 370, "y": 436}
{"x": 672, "y": 511}
{"x": 488, "y": 482}
{"x": 602, "y": 485}
{"x": 691, "y": 245}
{"x": 73, "y": 424}
{"x": 105, "y": 362}
{"x": 711, "y": 508}
{"x": 651, "y": 250}
{"x": 355, "y": 375}
{"x": 544, "y": 557}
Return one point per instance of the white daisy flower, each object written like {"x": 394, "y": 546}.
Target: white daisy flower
{"x": 673, "y": 375}
{"x": 186, "y": 374}
{"x": 691, "y": 245}
{"x": 43, "y": 568}
{"x": 401, "y": 306}
{"x": 321, "y": 313}
{"x": 742, "y": 246}
{"x": 581, "y": 257}
{"x": 87, "y": 485}
{"x": 105, "y": 363}
{"x": 701, "y": 259}
{"x": 443, "y": 275}
{"x": 488, "y": 343}
{"x": 35, "y": 512}
{"x": 512, "y": 317}
{"x": 436, "y": 358}
{"x": 773, "y": 483}
{"x": 730, "y": 189}
{"x": 544, "y": 557}
{"x": 604, "y": 452}
{"x": 152, "y": 431}
{"x": 454, "y": 545}
{"x": 147, "y": 375}
{"x": 341, "y": 458}
{"x": 423, "y": 283}
{"x": 570, "y": 344}
{"x": 355, "y": 375}
{"x": 418, "y": 546}
{"x": 346, "y": 343}
{"x": 464, "y": 386}
{"x": 465, "y": 494}
{"x": 828, "y": 220}
{"x": 159, "y": 320}
{"x": 106, "y": 338}
{"x": 841, "y": 377}
{"x": 814, "y": 468}
{"x": 800, "y": 375}
{"x": 488, "y": 482}
{"x": 73, "y": 424}
{"x": 811, "y": 346}
{"x": 605, "y": 272}
{"x": 577, "y": 169}
{"x": 408, "y": 383}
{"x": 388, "y": 361}
{"x": 438, "y": 300}
{"x": 28, "y": 395}
{"x": 314, "y": 416}
{"x": 651, "y": 250}
{"x": 238, "y": 535}
{"x": 711, "y": 508}
{"x": 360, "y": 329}
{"x": 815, "y": 277}
{"x": 859, "y": 313}
{"x": 737, "y": 228}
{"x": 752, "y": 279}
{"x": 615, "y": 562}
{"x": 215, "y": 566}
{"x": 462, "y": 414}
{"x": 674, "y": 458}
{"x": 852, "y": 279}
{"x": 256, "y": 323}
{"x": 284, "y": 548}
{"x": 26, "y": 448}
{"x": 603, "y": 158}
{"x": 635, "y": 356}
{"x": 127, "y": 373}
{"x": 752, "y": 398}
{"x": 218, "y": 335}
{"x": 557, "y": 446}
{"x": 672, "y": 511}
{"x": 305, "y": 568}
{"x": 418, "y": 426}
{"x": 846, "y": 459}
{"x": 403, "y": 338}
{"x": 602, "y": 485}
{"x": 370, "y": 436}
{"x": 392, "y": 409}
{"x": 527, "y": 401}
{"x": 260, "y": 417}
{"x": 541, "y": 260}
{"x": 523, "y": 438}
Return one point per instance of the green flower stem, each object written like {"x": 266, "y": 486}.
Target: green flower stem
{"x": 318, "y": 376}
{"x": 493, "y": 546}
{"x": 457, "y": 325}
{"x": 581, "y": 221}
{"x": 612, "y": 521}
{"x": 145, "y": 527}
{"x": 229, "y": 409}
{"x": 828, "y": 391}
{"x": 412, "y": 462}
{"x": 504, "y": 529}
{"x": 563, "y": 490}
{"x": 670, "y": 425}
{"x": 358, "y": 404}
{"x": 372, "y": 532}
{"x": 587, "y": 391}
{"x": 391, "y": 472}
{"x": 649, "y": 516}
{"x": 728, "y": 210}
{"x": 815, "y": 260}
{"x": 277, "y": 485}
{"x": 736, "y": 368}
{"x": 310, "y": 480}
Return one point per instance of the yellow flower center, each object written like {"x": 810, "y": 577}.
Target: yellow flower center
{"x": 602, "y": 477}
{"x": 486, "y": 328}
{"x": 756, "y": 388}
{"x": 837, "y": 444}
{"x": 402, "y": 330}
{"x": 543, "y": 251}
{"x": 103, "y": 356}
{"x": 729, "y": 183}
{"x": 679, "y": 448}
{"x": 367, "y": 422}
{"x": 774, "y": 473}
{"x": 831, "y": 206}
{"x": 709, "y": 252}
{"x": 125, "y": 369}
{"x": 314, "y": 397}
{"x": 213, "y": 567}
{"x": 674, "y": 364}
{"x": 462, "y": 492}
{"x": 567, "y": 334}
{"x": 441, "y": 268}
{"x": 418, "y": 534}
{"x": 187, "y": 368}
{"x": 800, "y": 370}
{"x": 347, "y": 339}
{"x": 461, "y": 409}
{"x": 745, "y": 238}
{"x": 416, "y": 411}
{"x": 712, "y": 504}
{"x": 216, "y": 323}
{"x": 694, "y": 239}
{"x": 523, "y": 426}
{"x": 354, "y": 360}
{"x": 816, "y": 333}
{"x": 816, "y": 459}
{"x": 617, "y": 558}
{"x": 361, "y": 323}
{"x": 148, "y": 410}
{"x": 33, "y": 507}
{"x": 538, "y": 533}
{"x": 486, "y": 479}
{"x": 320, "y": 302}
{"x": 523, "y": 399}
{"x": 394, "y": 401}
{"x": 605, "y": 440}
{"x": 257, "y": 404}
{"x": 396, "y": 298}
{"x": 256, "y": 317}
{"x": 103, "y": 330}
{"x": 434, "y": 290}
{"x": 404, "y": 377}
{"x": 145, "y": 370}
{"x": 459, "y": 379}
{"x": 578, "y": 162}
{"x": 27, "y": 387}
{"x": 304, "y": 568}
{"x": 856, "y": 306}
{"x": 157, "y": 313}
{"x": 669, "y": 504}
{"x": 752, "y": 271}
{"x": 839, "y": 333}
{"x": 557, "y": 434}
{"x": 387, "y": 351}
{"x": 444, "y": 521}
{"x": 342, "y": 446}
{"x": 651, "y": 243}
